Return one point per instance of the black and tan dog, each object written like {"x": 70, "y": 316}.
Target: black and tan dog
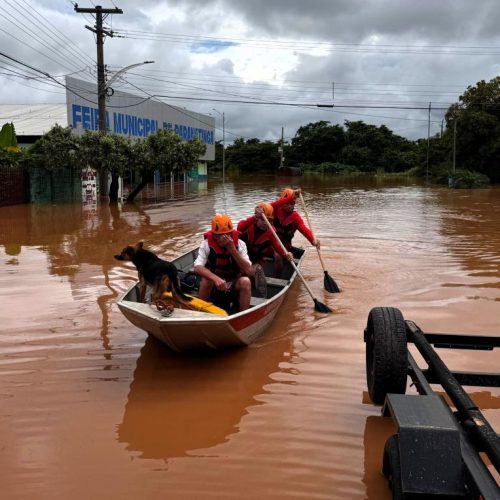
{"x": 160, "y": 274}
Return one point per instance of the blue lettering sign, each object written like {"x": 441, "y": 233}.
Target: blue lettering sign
{"x": 117, "y": 123}
{"x": 86, "y": 117}
{"x": 187, "y": 133}
{"x": 76, "y": 114}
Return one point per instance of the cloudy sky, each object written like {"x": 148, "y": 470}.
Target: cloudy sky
{"x": 265, "y": 64}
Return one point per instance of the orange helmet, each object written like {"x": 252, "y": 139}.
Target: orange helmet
{"x": 268, "y": 209}
{"x": 221, "y": 224}
{"x": 288, "y": 193}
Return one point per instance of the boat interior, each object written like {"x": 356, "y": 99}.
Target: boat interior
{"x": 274, "y": 284}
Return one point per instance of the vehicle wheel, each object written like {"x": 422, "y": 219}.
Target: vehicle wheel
{"x": 386, "y": 353}
{"x": 392, "y": 467}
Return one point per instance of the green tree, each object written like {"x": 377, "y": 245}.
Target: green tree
{"x": 317, "y": 143}
{"x": 106, "y": 153}
{"x": 55, "y": 149}
{"x": 164, "y": 151}
{"x": 359, "y": 156}
{"x": 484, "y": 96}
{"x": 370, "y": 147}
{"x": 252, "y": 155}
{"x": 476, "y": 120}
{"x": 10, "y": 159}
{"x": 8, "y": 139}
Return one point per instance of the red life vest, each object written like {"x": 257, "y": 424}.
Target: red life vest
{"x": 285, "y": 227}
{"x": 258, "y": 243}
{"x": 220, "y": 261}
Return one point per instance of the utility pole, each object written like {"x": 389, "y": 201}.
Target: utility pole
{"x": 281, "y": 146}
{"x": 428, "y": 142}
{"x": 223, "y": 145}
{"x": 454, "y": 142}
{"x": 100, "y": 32}
{"x": 223, "y": 149}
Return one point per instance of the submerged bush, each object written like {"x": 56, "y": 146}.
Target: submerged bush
{"x": 330, "y": 168}
{"x": 467, "y": 179}
{"x": 460, "y": 178}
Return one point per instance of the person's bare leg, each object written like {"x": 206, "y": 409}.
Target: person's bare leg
{"x": 205, "y": 289}
{"x": 244, "y": 288}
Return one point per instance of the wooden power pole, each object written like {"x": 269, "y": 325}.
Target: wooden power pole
{"x": 99, "y": 31}
{"x": 281, "y": 148}
{"x": 428, "y": 144}
{"x": 100, "y": 15}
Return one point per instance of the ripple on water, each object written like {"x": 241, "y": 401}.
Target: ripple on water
{"x": 84, "y": 391}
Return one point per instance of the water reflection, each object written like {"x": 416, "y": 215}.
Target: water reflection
{"x": 377, "y": 431}
{"x": 471, "y": 224}
{"x": 433, "y": 253}
{"x": 180, "y": 404}
{"x": 80, "y": 243}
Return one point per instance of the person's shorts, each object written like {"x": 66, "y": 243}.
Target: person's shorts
{"x": 225, "y": 299}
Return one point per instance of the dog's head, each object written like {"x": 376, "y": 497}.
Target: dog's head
{"x": 129, "y": 252}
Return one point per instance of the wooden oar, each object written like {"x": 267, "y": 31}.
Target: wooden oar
{"x": 328, "y": 282}
{"x": 318, "y": 306}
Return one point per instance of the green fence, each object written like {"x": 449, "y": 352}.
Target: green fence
{"x": 47, "y": 186}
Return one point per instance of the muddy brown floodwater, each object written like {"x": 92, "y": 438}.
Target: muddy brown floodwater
{"x": 90, "y": 407}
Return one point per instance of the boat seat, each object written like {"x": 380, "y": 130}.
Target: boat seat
{"x": 270, "y": 281}
{"x": 276, "y": 282}
{"x": 255, "y": 301}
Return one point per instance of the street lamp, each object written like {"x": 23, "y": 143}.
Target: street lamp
{"x": 104, "y": 89}
{"x": 107, "y": 85}
{"x": 223, "y": 146}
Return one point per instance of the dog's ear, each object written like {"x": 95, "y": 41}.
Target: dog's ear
{"x": 140, "y": 245}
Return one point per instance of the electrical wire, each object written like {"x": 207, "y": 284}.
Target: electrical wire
{"x": 313, "y": 45}
{"x": 57, "y": 35}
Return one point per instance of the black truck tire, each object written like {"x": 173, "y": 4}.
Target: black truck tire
{"x": 392, "y": 467}
{"x": 386, "y": 353}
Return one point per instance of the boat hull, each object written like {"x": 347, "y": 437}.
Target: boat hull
{"x": 186, "y": 330}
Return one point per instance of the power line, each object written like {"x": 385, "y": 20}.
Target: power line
{"x": 270, "y": 89}
{"x": 70, "y": 89}
{"x": 307, "y": 83}
{"x": 33, "y": 48}
{"x": 40, "y": 28}
{"x": 313, "y": 45}
{"x": 55, "y": 32}
{"x": 295, "y": 104}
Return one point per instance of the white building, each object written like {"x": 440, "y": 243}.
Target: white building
{"x": 126, "y": 114}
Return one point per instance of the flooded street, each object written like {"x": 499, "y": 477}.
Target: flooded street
{"x": 90, "y": 407}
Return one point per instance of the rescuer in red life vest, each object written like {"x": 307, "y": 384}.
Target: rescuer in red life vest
{"x": 259, "y": 239}
{"x": 261, "y": 243}
{"x": 223, "y": 264}
{"x": 287, "y": 220}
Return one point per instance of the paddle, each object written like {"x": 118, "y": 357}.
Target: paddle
{"x": 318, "y": 306}
{"x": 328, "y": 282}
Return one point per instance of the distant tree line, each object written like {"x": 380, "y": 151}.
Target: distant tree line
{"x": 470, "y": 143}
{"x": 473, "y": 124}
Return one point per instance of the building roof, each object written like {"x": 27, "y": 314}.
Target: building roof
{"x": 33, "y": 119}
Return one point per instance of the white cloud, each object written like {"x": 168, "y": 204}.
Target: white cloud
{"x": 355, "y": 52}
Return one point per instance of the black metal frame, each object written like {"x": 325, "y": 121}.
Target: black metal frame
{"x": 476, "y": 434}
